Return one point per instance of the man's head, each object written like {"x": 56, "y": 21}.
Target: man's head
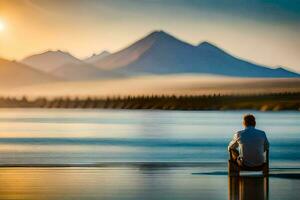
{"x": 249, "y": 120}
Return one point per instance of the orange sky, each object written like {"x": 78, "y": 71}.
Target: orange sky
{"x": 87, "y": 27}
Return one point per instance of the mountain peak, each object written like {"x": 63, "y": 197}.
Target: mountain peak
{"x": 285, "y": 70}
{"x": 97, "y": 57}
{"x": 55, "y": 52}
{"x": 207, "y": 44}
{"x": 160, "y": 37}
{"x": 105, "y": 52}
{"x": 160, "y": 34}
{"x": 49, "y": 60}
{"x": 280, "y": 68}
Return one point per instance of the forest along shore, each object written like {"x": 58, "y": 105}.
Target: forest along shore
{"x": 263, "y": 102}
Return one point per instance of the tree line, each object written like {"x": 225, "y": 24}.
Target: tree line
{"x": 276, "y": 101}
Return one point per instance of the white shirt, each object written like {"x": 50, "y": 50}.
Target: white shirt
{"x": 252, "y": 144}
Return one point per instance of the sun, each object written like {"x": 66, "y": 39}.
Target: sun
{"x": 2, "y": 26}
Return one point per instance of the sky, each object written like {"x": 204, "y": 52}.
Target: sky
{"x": 261, "y": 31}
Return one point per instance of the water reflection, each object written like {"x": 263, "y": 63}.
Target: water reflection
{"x": 110, "y": 183}
{"x": 248, "y": 188}
{"x": 146, "y": 182}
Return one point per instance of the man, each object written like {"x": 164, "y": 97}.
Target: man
{"x": 251, "y": 142}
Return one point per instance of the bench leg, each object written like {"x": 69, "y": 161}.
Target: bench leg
{"x": 233, "y": 169}
{"x": 266, "y": 171}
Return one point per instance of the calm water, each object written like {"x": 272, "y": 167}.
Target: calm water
{"x": 139, "y": 184}
{"x": 102, "y": 136}
{"x": 95, "y": 136}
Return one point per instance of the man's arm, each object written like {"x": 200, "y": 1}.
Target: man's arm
{"x": 266, "y": 144}
{"x": 234, "y": 142}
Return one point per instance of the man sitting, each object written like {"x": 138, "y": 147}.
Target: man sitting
{"x": 248, "y": 146}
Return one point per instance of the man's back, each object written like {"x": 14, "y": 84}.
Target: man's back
{"x": 252, "y": 143}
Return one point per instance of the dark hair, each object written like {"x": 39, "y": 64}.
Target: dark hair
{"x": 249, "y": 120}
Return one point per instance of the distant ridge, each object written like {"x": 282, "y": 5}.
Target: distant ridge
{"x": 162, "y": 53}
{"x": 13, "y": 74}
{"x": 49, "y": 60}
{"x": 82, "y": 71}
{"x": 66, "y": 67}
{"x": 97, "y": 57}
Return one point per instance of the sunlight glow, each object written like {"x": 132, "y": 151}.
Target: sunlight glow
{"x": 2, "y": 26}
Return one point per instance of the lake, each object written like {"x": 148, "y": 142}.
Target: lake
{"x": 141, "y": 154}
{"x": 93, "y": 136}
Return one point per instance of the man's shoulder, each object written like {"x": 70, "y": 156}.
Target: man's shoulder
{"x": 239, "y": 133}
{"x": 250, "y": 130}
{"x": 259, "y": 131}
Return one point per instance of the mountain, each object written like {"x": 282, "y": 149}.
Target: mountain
{"x": 162, "y": 53}
{"x": 50, "y": 60}
{"x": 230, "y": 65}
{"x": 97, "y": 57}
{"x": 82, "y": 71}
{"x": 14, "y": 74}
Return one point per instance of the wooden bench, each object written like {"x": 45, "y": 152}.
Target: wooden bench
{"x": 234, "y": 168}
